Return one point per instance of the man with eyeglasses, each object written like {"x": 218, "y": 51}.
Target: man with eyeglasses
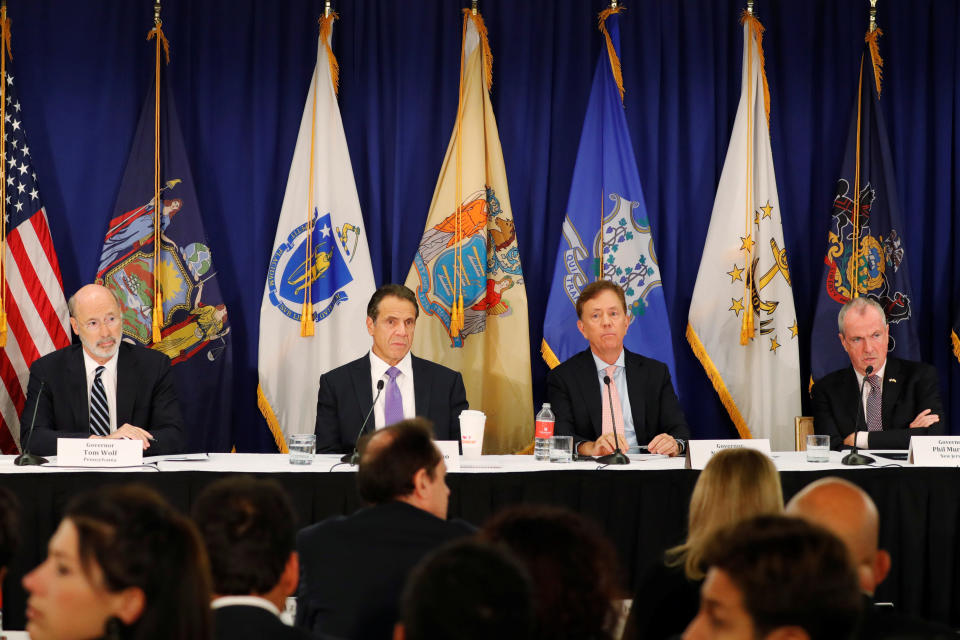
{"x": 102, "y": 387}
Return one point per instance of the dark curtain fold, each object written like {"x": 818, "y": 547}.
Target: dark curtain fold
{"x": 241, "y": 68}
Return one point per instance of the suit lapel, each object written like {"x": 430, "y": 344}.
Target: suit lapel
{"x": 634, "y": 370}
{"x": 421, "y": 386}
{"x": 362, "y": 388}
{"x": 126, "y": 379}
{"x": 891, "y": 390}
{"x": 590, "y": 389}
{"x": 79, "y": 400}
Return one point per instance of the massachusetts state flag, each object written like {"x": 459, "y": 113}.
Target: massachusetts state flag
{"x": 742, "y": 323}
{"x": 606, "y": 232}
{"x": 193, "y": 321}
{"x": 865, "y": 255}
{"x": 467, "y": 274}
{"x": 34, "y": 320}
{"x": 320, "y": 278}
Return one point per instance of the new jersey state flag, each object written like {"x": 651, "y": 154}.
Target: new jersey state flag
{"x": 742, "y": 323}
{"x": 606, "y": 232}
{"x": 466, "y": 273}
{"x": 193, "y": 325}
{"x": 319, "y": 279}
{"x": 865, "y": 254}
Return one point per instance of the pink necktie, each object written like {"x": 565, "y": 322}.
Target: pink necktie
{"x": 617, "y": 408}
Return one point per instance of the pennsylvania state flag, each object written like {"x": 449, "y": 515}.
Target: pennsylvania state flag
{"x": 466, "y": 273}
{"x": 742, "y": 323}
{"x": 606, "y": 232}
{"x": 865, "y": 253}
{"x": 193, "y": 326}
{"x": 320, "y": 278}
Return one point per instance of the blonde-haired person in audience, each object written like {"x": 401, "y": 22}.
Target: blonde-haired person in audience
{"x": 736, "y": 484}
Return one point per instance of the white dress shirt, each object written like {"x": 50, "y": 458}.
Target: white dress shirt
{"x": 109, "y": 377}
{"x": 863, "y": 437}
{"x": 378, "y": 371}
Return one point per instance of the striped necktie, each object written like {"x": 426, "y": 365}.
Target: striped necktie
{"x": 99, "y": 410}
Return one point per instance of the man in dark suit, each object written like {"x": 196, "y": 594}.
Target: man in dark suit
{"x": 849, "y": 513}
{"x": 403, "y": 384}
{"x": 248, "y": 527}
{"x": 353, "y": 568}
{"x": 901, "y": 397}
{"x": 646, "y": 410}
{"x": 103, "y": 387}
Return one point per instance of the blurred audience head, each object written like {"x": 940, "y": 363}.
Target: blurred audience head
{"x": 9, "y": 528}
{"x": 736, "y": 484}
{"x": 776, "y": 578}
{"x": 467, "y": 590}
{"x": 122, "y": 564}
{"x": 249, "y": 529}
{"x": 400, "y": 462}
{"x": 847, "y": 511}
{"x": 573, "y": 566}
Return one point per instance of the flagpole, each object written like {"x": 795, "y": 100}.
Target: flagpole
{"x": 4, "y": 52}
{"x": 873, "y": 15}
{"x": 161, "y": 40}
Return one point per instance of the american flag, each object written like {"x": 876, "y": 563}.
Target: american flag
{"x": 37, "y": 318}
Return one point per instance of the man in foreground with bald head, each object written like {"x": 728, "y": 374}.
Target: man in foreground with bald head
{"x": 849, "y": 513}
{"x": 102, "y": 387}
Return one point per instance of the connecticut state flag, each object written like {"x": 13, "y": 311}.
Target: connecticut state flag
{"x": 319, "y": 277}
{"x": 193, "y": 324}
{"x": 606, "y": 232}
{"x": 865, "y": 255}
{"x": 466, "y": 273}
{"x": 742, "y": 322}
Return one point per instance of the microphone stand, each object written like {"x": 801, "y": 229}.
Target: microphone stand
{"x": 26, "y": 458}
{"x": 617, "y": 457}
{"x": 354, "y": 458}
{"x": 854, "y": 458}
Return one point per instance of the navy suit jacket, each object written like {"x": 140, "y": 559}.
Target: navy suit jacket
{"x": 346, "y": 396}
{"x": 575, "y": 394}
{"x": 146, "y": 398}
{"x": 353, "y": 568}
{"x": 908, "y": 388}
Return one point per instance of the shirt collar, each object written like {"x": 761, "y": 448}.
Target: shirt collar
{"x": 879, "y": 373}
{"x": 245, "y": 601}
{"x": 602, "y": 366}
{"x": 90, "y": 365}
{"x": 378, "y": 368}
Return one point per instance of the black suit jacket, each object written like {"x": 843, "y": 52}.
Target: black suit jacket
{"x": 353, "y": 568}
{"x": 243, "y": 622}
{"x": 346, "y": 396}
{"x": 886, "y": 623}
{"x": 146, "y": 398}
{"x": 908, "y": 388}
{"x": 575, "y": 395}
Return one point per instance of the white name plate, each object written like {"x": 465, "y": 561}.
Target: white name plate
{"x": 450, "y": 449}
{"x": 934, "y": 451}
{"x": 98, "y": 452}
{"x": 699, "y": 452}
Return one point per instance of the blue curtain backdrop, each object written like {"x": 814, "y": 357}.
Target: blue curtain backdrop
{"x": 240, "y": 70}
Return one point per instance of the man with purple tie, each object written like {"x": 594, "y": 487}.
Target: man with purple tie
{"x": 391, "y": 380}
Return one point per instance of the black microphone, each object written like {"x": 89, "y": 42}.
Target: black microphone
{"x": 617, "y": 457}
{"x": 854, "y": 458}
{"x": 354, "y": 458}
{"x": 26, "y": 458}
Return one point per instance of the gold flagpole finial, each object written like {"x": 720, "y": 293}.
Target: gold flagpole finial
{"x": 473, "y": 7}
{"x": 156, "y": 12}
{"x": 750, "y": 7}
{"x": 613, "y": 4}
{"x": 873, "y": 15}
{"x": 326, "y": 9}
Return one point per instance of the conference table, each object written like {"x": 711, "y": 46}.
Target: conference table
{"x": 642, "y": 506}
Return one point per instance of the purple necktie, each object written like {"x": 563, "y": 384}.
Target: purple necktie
{"x": 874, "y": 420}
{"x": 393, "y": 403}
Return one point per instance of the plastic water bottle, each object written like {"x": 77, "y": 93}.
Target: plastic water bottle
{"x": 543, "y": 433}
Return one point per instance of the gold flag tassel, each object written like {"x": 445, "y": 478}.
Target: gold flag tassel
{"x": 873, "y": 42}
{"x": 4, "y": 54}
{"x": 326, "y": 26}
{"x": 611, "y": 51}
{"x": 757, "y": 29}
{"x": 160, "y": 40}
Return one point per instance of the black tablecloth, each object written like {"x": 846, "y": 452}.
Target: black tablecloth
{"x": 643, "y": 512}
